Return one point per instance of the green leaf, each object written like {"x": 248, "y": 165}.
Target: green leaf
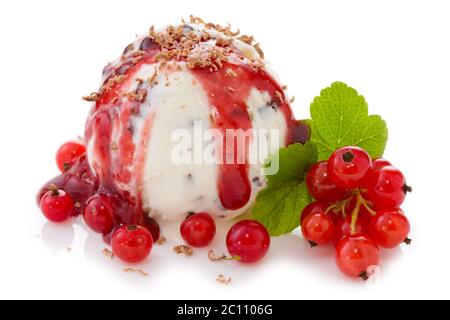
{"x": 293, "y": 162}
{"x": 340, "y": 117}
{"x": 278, "y": 207}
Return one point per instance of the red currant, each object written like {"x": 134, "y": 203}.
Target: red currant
{"x": 348, "y": 166}
{"x": 315, "y": 207}
{"x": 57, "y": 205}
{"x": 318, "y": 229}
{"x": 68, "y": 154}
{"x": 389, "y": 228}
{"x": 99, "y": 214}
{"x": 132, "y": 244}
{"x": 198, "y": 230}
{"x": 248, "y": 240}
{"x": 377, "y": 164}
{"x": 151, "y": 225}
{"x": 79, "y": 182}
{"x": 355, "y": 254}
{"x": 320, "y": 185}
{"x": 386, "y": 188}
{"x": 342, "y": 228}
{"x": 380, "y": 164}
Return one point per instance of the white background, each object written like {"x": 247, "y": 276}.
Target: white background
{"x": 395, "y": 53}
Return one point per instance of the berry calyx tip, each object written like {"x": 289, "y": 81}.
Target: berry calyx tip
{"x": 364, "y": 276}
{"x": 348, "y": 157}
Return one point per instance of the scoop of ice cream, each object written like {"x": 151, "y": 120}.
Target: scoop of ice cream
{"x": 176, "y": 80}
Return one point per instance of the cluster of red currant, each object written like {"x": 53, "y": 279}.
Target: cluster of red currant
{"x": 130, "y": 243}
{"x": 357, "y": 209}
{"x": 247, "y": 241}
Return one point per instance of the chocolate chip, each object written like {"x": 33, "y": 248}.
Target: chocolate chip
{"x": 130, "y": 128}
{"x": 274, "y": 105}
{"x": 107, "y": 70}
{"x": 199, "y": 198}
{"x": 257, "y": 182}
{"x": 187, "y": 29}
{"x": 239, "y": 112}
{"x": 148, "y": 44}
{"x": 128, "y": 49}
{"x": 124, "y": 68}
{"x": 140, "y": 86}
{"x": 136, "y": 109}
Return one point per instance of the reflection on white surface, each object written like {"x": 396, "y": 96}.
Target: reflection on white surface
{"x": 164, "y": 265}
{"x": 288, "y": 255}
{"x": 58, "y": 237}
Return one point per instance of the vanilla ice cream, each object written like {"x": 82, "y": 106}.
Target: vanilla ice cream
{"x": 172, "y": 80}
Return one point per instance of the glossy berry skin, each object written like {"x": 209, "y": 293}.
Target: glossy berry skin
{"x": 389, "y": 228}
{"x": 318, "y": 228}
{"x": 342, "y": 228}
{"x": 99, "y": 214}
{"x": 198, "y": 230}
{"x": 377, "y": 164}
{"x": 151, "y": 225}
{"x": 248, "y": 240}
{"x": 57, "y": 206}
{"x": 380, "y": 164}
{"x": 386, "y": 188}
{"x": 348, "y": 166}
{"x": 355, "y": 254}
{"x": 315, "y": 207}
{"x": 132, "y": 244}
{"x": 79, "y": 182}
{"x": 68, "y": 154}
{"x": 320, "y": 185}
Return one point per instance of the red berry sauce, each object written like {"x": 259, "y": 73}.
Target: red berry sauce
{"x": 231, "y": 113}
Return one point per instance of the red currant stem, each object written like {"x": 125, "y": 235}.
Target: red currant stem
{"x": 344, "y": 213}
{"x": 339, "y": 207}
{"x": 367, "y": 206}
{"x": 332, "y": 208}
{"x": 54, "y": 189}
{"x": 355, "y": 213}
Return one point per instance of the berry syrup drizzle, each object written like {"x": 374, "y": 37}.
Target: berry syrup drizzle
{"x": 229, "y": 89}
